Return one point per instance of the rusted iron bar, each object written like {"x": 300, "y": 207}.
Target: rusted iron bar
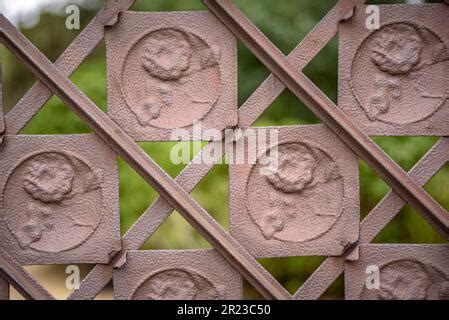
{"x": 300, "y": 57}
{"x": 124, "y": 146}
{"x": 4, "y": 288}
{"x": 192, "y": 174}
{"x": 375, "y": 221}
{"x": 20, "y": 279}
{"x": 2, "y": 115}
{"x": 18, "y": 117}
{"x": 329, "y": 113}
{"x": 4, "y": 285}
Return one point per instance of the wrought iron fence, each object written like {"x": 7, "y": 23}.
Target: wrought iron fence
{"x": 351, "y": 126}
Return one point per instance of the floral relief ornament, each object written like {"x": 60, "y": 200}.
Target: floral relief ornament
{"x": 49, "y": 179}
{"x": 171, "y": 56}
{"x": 177, "y": 284}
{"x": 38, "y": 220}
{"x": 296, "y": 172}
{"x": 410, "y": 280}
{"x": 173, "y": 287}
{"x": 167, "y": 55}
{"x": 397, "y": 49}
{"x": 398, "y": 52}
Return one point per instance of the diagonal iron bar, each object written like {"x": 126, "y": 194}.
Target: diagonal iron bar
{"x": 306, "y": 50}
{"x": 20, "y": 279}
{"x": 375, "y": 221}
{"x": 4, "y": 288}
{"x": 192, "y": 174}
{"x": 124, "y": 146}
{"x": 329, "y": 113}
{"x": 68, "y": 62}
{"x": 25, "y": 109}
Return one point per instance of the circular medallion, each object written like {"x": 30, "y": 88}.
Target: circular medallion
{"x": 299, "y": 201}
{"x": 171, "y": 78}
{"x": 52, "y": 201}
{"x": 400, "y": 73}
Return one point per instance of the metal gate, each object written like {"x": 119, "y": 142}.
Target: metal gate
{"x": 174, "y": 193}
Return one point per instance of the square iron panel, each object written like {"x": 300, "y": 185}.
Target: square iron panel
{"x": 59, "y": 199}
{"x": 167, "y": 71}
{"x": 176, "y": 275}
{"x": 395, "y": 80}
{"x": 309, "y": 205}
{"x": 406, "y": 272}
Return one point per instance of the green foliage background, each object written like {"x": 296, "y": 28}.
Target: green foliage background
{"x": 285, "y": 22}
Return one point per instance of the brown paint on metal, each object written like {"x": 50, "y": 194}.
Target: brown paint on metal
{"x": 309, "y": 206}
{"x": 124, "y": 146}
{"x": 324, "y": 108}
{"x": 2, "y": 115}
{"x": 4, "y": 288}
{"x": 375, "y": 221}
{"x": 59, "y": 199}
{"x": 304, "y": 52}
{"x": 195, "y": 81}
{"x": 176, "y": 275}
{"x": 402, "y": 89}
{"x": 193, "y": 173}
{"x": 405, "y": 272}
{"x": 20, "y": 279}
{"x": 330, "y": 269}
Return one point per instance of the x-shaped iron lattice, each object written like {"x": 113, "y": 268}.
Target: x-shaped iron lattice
{"x": 286, "y": 72}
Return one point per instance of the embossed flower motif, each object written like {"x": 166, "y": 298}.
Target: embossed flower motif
{"x": 39, "y": 220}
{"x": 387, "y": 90}
{"x": 397, "y": 48}
{"x": 173, "y": 288}
{"x": 404, "y": 280}
{"x": 274, "y": 219}
{"x": 295, "y": 171}
{"x": 272, "y": 222}
{"x": 167, "y": 55}
{"x": 49, "y": 181}
{"x": 403, "y": 287}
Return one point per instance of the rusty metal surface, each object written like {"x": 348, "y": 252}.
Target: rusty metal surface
{"x": 407, "y": 92}
{"x": 62, "y": 219}
{"x": 151, "y": 94}
{"x": 124, "y": 146}
{"x": 407, "y": 272}
{"x": 4, "y": 285}
{"x": 192, "y": 174}
{"x": 304, "y": 52}
{"x": 4, "y": 288}
{"x": 17, "y": 118}
{"x": 375, "y": 221}
{"x": 20, "y": 279}
{"x": 176, "y": 275}
{"x": 317, "y": 215}
{"x": 325, "y": 109}
{"x": 2, "y": 115}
